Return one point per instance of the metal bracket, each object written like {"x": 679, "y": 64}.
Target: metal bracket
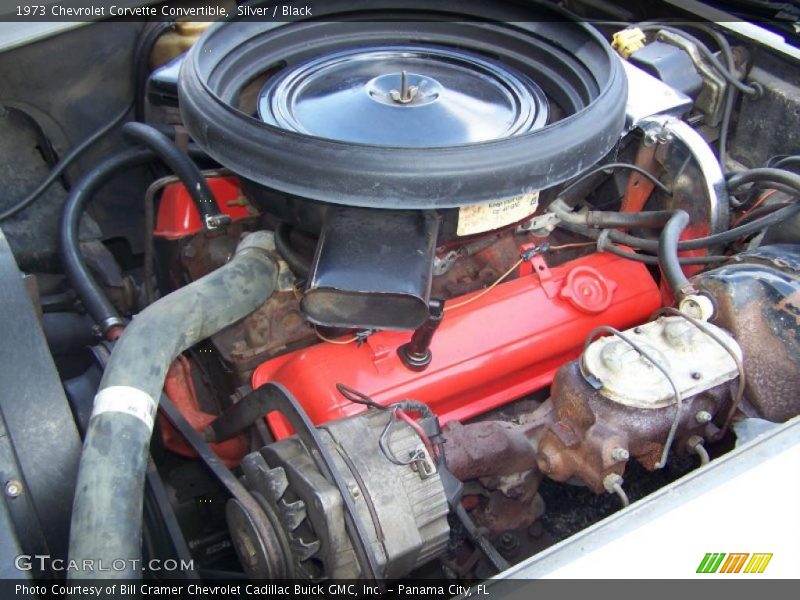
{"x": 422, "y": 463}
{"x": 445, "y": 263}
{"x": 542, "y": 224}
{"x": 536, "y": 265}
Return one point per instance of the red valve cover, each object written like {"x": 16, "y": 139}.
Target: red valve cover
{"x": 502, "y": 346}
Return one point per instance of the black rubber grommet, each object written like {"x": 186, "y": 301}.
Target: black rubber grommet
{"x": 414, "y": 362}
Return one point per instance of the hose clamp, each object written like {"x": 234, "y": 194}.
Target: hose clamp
{"x": 108, "y": 324}
{"x": 217, "y": 221}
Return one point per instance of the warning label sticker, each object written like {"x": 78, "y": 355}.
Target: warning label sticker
{"x": 485, "y": 217}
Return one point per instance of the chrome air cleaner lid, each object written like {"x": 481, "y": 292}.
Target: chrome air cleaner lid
{"x": 404, "y": 96}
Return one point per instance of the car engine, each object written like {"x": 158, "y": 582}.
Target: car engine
{"x": 385, "y": 290}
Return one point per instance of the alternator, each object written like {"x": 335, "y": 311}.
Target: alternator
{"x": 399, "y": 498}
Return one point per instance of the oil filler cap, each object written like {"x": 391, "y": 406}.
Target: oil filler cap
{"x": 587, "y": 290}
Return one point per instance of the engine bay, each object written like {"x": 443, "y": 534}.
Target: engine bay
{"x": 387, "y": 292}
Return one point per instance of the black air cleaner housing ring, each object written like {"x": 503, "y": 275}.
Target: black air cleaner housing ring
{"x": 568, "y": 60}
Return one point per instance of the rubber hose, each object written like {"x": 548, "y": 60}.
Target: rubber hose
{"x": 646, "y": 219}
{"x": 653, "y": 260}
{"x": 716, "y": 239}
{"x": 792, "y": 159}
{"x": 107, "y": 511}
{"x": 766, "y": 174}
{"x": 594, "y": 234}
{"x": 672, "y": 223}
{"x": 609, "y": 219}
{"x": 668, "y": 258}
{"x": 67, "y": 332}
{"x": 181, "y": 165}
{"x": 297, "y": 263}
{"x": 80, "y": 278}
{"x": 770, "y": 175}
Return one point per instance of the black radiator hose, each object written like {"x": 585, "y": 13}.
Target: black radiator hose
{"x": 107, "y": 511}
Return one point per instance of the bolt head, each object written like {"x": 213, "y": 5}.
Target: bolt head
{"x": 13, "y": 488}
{"x": 620, "y": 454}
{"x": 508, "y": 543}
{"x": 703, "y": 416}
{"x": 665, "y": 137}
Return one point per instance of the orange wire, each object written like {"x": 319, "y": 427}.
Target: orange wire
{"x": 764, "y": 197}
{"x": 575, "y": 245}
{"x": 337, "y": 342}
{"x": 485, "y": 291}
{"x": 511, "y": 270}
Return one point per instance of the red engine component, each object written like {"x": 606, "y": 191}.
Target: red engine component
{"x": 504, "y": 345}
{"x": 179, "y": 388}
{"x": 178, "y": 217}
